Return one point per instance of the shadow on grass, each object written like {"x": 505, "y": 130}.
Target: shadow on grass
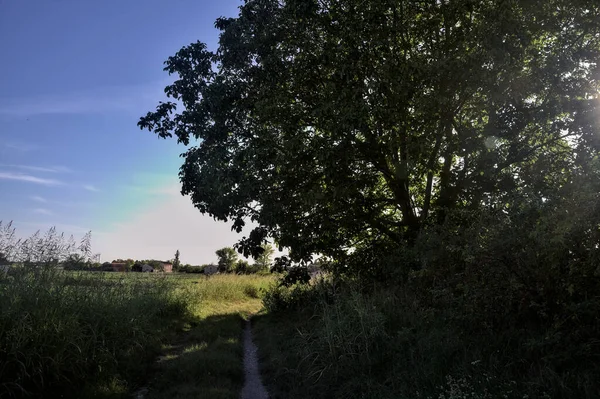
{"x": 203, "y": 362}
{"x": 273, "y": 336}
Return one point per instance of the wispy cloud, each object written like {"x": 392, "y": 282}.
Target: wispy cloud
{"x": 17, "y": 146}
{"x": 61, "y": 203}
{"x": 49, "y": 169}
{"x": 43, "y": 181}
{"x": 43, "y": 211}
{"x": 91, "y": 188}
{"x": 60, "y": 227}
{"x": 29, "y": 179}
{"x": 133, "y": 98}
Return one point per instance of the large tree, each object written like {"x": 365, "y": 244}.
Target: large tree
{"x": 265, "y": 260}
{"x": 227, "y": 259}
{"x": 334, "y": 122}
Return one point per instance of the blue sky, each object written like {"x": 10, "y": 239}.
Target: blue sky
{"x": 75, "y": 78}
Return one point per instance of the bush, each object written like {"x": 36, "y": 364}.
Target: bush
{"x": 282, "y": 297}
{"x": 242, "y": 267}
{"x": 279, "y": 299}
{"x": 191, "y": 269}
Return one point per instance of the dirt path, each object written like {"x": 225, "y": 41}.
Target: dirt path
{"x": 253, "y": 386}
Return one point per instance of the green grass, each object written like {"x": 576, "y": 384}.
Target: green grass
{"x": 99, "y": 335}
{"x": 383, "y": 343}
{"x": 61, "y": 330}
{"x": 323, "y": 348}
{"x": 205, "y": 359}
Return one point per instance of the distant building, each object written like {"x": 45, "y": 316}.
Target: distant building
{"x": 167, "y": 267}
{"x": 209, "y": 270}
{"x": 118, "y": 267}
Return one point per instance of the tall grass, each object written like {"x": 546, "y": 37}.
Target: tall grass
{"x": 64, "y": 331}
{"x": 93, "y": 334}
{"x": 345, "y": 341}
{"x": 226, "y": 287}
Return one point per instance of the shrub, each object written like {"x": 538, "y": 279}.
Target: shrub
{"x": 191, "y": 269}
{"x": 242, "y": 267}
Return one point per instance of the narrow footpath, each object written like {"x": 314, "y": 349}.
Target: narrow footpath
{"x": 253, "y": 386}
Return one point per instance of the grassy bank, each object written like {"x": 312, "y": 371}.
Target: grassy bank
{"x": 99, "y": 334}
{"x": 345, "y": 341}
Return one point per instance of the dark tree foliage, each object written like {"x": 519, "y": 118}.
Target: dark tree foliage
{"x": 336, "y": 124}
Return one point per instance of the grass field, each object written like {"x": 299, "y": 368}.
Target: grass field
{"x": 107, "y": 335}
{"x": 205, "y": 358}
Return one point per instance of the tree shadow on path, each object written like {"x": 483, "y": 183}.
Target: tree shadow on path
{"x": 203, "y": 362}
